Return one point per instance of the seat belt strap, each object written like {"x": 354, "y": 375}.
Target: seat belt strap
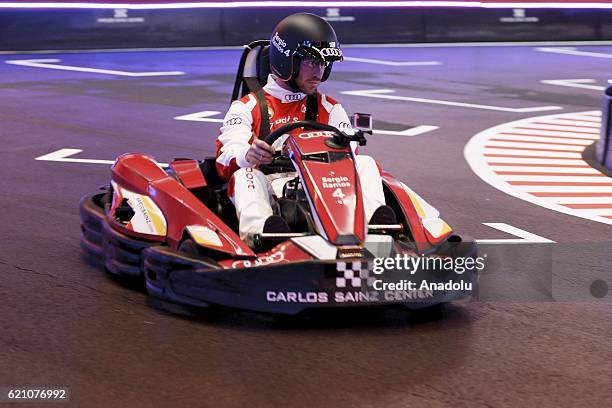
{"x": 255, "y": 87}
{"x": 312, "y": 106}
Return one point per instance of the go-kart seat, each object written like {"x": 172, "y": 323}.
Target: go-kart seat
{"x": 253, "y": 69}
{"x": 252, "y": 75}
{"x": 215, "y": 194}
{"x": 208, "y": 167}
{"x": 203, "y": 181}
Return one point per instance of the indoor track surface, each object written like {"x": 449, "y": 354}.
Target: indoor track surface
{"x": 539, "y": 333}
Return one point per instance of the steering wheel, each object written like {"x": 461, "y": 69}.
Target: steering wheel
{"x": 273, "y": 137}
{"x": 282, "y": 163}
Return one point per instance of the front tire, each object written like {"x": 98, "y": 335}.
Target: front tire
{"x": 189, "y": 247}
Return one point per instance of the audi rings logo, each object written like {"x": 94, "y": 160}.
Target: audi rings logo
{"x": 264, "y": 260}
{"x": 312, "y": 135}
{"x": 293, "y": 97}
{"x": 233, "y": 122}
{"x": 331, "y": 52}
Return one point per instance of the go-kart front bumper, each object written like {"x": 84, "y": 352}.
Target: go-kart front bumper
{"x": 289, "y": 288}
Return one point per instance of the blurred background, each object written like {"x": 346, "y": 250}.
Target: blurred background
{"x": 75, "y": 24}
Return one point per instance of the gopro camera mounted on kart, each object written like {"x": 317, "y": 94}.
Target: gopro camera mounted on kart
{"x": 362, "y": 121}
{"x": 361, "y": 124}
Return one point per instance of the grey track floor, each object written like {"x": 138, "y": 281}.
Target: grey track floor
{"x": 66, "y": 322}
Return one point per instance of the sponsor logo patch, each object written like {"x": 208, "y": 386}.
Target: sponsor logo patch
{"x": 284, "y": 120}
{"x": 233, "y": 122}
{"x": 250, "y": 178}
{"x": 293, "y": 97}
{"x": 312, "y": 135}
{"x": 263, "y": 260}
{"x": 331, "y": 52}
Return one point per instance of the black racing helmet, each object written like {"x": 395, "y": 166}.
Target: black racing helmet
{"x": 300, "y": 36}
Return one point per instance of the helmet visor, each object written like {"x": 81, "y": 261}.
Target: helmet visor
{"x": 323, "y": 51}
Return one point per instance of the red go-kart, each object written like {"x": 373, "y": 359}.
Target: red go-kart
{"x": 176, "y": 228}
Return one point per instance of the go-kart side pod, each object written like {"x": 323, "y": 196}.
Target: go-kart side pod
{"x": 119, "y": 253}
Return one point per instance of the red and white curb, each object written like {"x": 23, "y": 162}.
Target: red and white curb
{"x": 539, "y": 160}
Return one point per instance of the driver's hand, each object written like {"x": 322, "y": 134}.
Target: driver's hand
{"x": 259, "y": 153}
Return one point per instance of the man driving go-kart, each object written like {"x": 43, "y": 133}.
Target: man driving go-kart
{"x": 312, "y": 220}
{"x": 303, "y": 48}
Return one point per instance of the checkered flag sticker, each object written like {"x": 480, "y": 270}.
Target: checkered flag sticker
{"x": 356, "y": 274}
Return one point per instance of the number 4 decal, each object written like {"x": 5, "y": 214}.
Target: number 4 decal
{"x": 338, "y": 193}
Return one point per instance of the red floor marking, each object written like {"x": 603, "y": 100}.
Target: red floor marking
{"x": 535, "y": 173}
{"x": 530, "y": 172}
{"x": 573, "y": 166}
{"x": 587, "y": 206}
{"x": 556, "y": 130}
{"x": 565, "y": 125}
{"x": 559, "y": 183}
{"x": 532, "y": 149}
{"x": 581, "y": 120}
{"x": 547, "y": 137}
{"x": 533, "y": 157}
{"x": 548, "y": 194}
{"x": 535, "y": 142}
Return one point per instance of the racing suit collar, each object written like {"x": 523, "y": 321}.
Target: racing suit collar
{"x": 284, "y": 95}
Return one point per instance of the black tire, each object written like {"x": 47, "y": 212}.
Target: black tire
{"x": 92, "y": 225}
{"x": 189, "y": 247}
{"x": 158, "y": 263}
{"x": 193, "y": 250}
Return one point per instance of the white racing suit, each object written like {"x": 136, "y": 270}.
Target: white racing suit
{"x": 249, "y": 189}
